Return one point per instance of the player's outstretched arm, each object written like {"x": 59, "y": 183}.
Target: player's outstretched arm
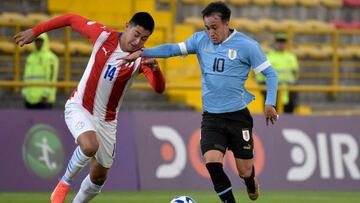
{"x": 85, "y": 27}
{"x": 24, "y": 37}
{"x": 161, "y": 51}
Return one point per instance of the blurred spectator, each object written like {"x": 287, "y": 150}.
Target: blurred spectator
{"x": 42, "y": 65}
{"x": 286, "y": 65}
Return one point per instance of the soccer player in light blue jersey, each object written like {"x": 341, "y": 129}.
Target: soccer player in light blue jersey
{"x": 225, "y": 56}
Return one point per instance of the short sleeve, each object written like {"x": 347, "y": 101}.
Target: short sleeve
{"x": 257, "y": 58}
{"x": 189, "y": 46}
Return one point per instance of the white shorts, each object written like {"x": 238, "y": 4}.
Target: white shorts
{"x": 79, "y": 120}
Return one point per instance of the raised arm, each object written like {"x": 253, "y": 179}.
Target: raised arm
{"x": 85, "y": 27}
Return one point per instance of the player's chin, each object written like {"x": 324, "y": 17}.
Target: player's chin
{"x": 132, "y": 48}
{"x": 215, "y": 41}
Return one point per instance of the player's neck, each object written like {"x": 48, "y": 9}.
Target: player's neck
{"x": 228, "y": 33}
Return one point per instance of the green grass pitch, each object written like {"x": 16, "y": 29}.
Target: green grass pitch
{"x": 199, "y": 196}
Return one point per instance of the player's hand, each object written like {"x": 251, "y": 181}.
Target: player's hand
{"x": 24, "y": 37}
{"x": 151, "y": 63}
{"x": 270, "y": 114}
{"x": 131, "y": 57}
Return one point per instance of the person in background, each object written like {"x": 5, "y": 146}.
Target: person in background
{"x": 42, "y": 65}
{"x": 286, "y": 65}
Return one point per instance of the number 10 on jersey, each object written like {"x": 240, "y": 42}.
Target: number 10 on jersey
{"x": 218, "y": 65}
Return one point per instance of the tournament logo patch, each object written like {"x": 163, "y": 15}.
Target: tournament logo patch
{"x": 246, "y": 135}
{"x": 232, "y": 54}
{"x": 43, "y": 152}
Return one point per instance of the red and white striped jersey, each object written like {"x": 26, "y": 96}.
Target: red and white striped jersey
{"x": 105, "y": 81}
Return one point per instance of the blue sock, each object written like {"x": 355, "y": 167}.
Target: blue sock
{"x": 76, "y": 163}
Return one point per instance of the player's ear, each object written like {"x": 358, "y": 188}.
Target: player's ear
{"x": 127, "y": 26}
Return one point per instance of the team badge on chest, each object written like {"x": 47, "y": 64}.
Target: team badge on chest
{"x": 232, "y": 54}
{"x": 246, "y": 134}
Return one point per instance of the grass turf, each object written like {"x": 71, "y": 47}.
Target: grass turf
{"x": 199, "y": 196}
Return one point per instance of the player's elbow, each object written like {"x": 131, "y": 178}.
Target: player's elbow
{"x": 72, "y": 17}
{"x": 160, "y": 88}
{"x": 270, "y": 73}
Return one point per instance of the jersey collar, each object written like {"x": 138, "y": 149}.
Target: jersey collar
{"x": 230, "y": 36}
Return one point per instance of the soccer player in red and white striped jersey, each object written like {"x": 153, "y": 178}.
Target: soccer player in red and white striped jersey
{"x": 91, "y": 111}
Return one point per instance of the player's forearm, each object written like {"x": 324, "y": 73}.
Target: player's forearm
{"x": 271, "y": 85}
{"x": 162, "y": 51}
{"x": 158, "y": 82}
{"x": 55, "y": 23}
{"x": 75, "y": 21}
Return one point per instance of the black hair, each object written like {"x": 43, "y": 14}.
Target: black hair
{"x": 144, "y": 20}
{"x": 217, "y": 7}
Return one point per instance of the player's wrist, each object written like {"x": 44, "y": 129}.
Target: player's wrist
{"x": 141, "y": 52}
{"x": 156, "y": 69}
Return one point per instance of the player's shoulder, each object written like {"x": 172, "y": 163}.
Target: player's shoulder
{"x": 244, "y": 39}
{"x": 98, "y": 25}
{"x": 200, "y": 35}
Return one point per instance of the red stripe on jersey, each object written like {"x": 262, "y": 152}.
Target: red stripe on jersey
{"x": 122, "y": 78}
{"x": 110, "y": 44}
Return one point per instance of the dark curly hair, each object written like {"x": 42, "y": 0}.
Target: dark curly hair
{"x": 217, "y": 7}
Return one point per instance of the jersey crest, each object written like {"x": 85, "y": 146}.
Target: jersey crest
{"x": 232, "y": 54}
{"x": 246, "y": 134}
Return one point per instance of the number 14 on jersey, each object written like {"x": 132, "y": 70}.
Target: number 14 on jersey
{"x": 110, "y": 72}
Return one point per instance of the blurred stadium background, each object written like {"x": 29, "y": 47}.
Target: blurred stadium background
{"x": 324, "y": 34}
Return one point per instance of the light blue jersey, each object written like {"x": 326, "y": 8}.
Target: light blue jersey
{"x": 224, "y": 67}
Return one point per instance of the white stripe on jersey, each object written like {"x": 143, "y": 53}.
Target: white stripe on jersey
{"x": 262, "y": 67}
{"x": 78, "y": 96}
{"x": 183, "y": 49}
